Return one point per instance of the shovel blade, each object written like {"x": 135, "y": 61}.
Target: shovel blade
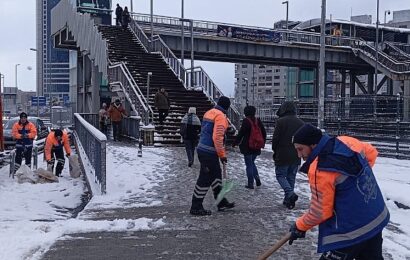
{"x": 226, "y": 187}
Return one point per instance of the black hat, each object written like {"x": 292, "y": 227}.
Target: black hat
{"x": 23, "y": 114}
{"x": 224, "y": 102}
{"x": 307, "y": 135}
{"x": 249, "y": 111}
{"x": 58, "y": 132}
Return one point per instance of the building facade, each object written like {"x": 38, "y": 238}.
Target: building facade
{"x": 52, "y": 63}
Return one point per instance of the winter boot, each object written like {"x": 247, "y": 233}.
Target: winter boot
{"x": 225, "y": 204}
{"x": 258, "y": 181}
{"x": 290, "y": 202}
{"x": 249, "y": 187}
{"x": 200, "y": 212}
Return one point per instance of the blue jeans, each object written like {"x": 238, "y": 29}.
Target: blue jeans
{"x": 251, "y": 170}
{"x": 286, "y": 176}
{"x": 190, "y": 149}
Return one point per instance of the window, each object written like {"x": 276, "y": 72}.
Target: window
{"x": 276, "y": 84}
{"x": 244, "y": 66}
{"x": 269, "y": 78}
{"x": 277, "y": 70}
{"x": 276, "y": 77}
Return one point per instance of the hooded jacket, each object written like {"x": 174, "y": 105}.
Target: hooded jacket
{"x": 162, "y": 100}
{"x": 284, "y": 152}
{"x": 24, "y": 133}
{"x": 52, "y": 143}
{"x": 346, "y": 201}
{"x": 116, "y": 112}
{"x": 244, "y": 133}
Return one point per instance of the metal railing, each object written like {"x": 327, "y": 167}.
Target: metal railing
{"x": 130, "y": 127}
{"x": 403, "y": 47}
{"x": 81, "y": 25}
{"x": 383, "y": 59}
{"x": 12, "y": 158}
{"x": 396, "y": 52}
{"x": 209, "y": 28}
{"x": 91, "y": 143}
{"x": 203, "y": 80}
{"x": 119, "y": 75}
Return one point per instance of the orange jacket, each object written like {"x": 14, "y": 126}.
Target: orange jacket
{"x": 53, "y": 143}
{"x": 116, "y": 113}
{"x": 20, "y": 129}
{"x": 323, "y": 186}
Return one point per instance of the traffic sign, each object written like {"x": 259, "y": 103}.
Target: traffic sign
{"x": 38, "y": 101}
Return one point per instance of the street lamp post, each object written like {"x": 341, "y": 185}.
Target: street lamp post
{"x": 182, "y": 32}
{"x": 18, "y": 64}
{"x": 386, "y": 12}
{"x": 1, "y": 115}
{"x": 38, "y": 108}
{"x": 149, "y": 75}
{"x": 287, "y": 13}
{"x": 377, "y": 49}
{"x": 152, "y": 24}
{"x": 321, "y": 97}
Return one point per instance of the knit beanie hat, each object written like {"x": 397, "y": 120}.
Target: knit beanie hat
{"x": 307, "y": 135}
{"x": 249, "y": 111}
{"x": 23, "y": 114}
{"x": 192, "y": 110}
{"x": 58, "y": 132}
{"x": 224, "y": 102}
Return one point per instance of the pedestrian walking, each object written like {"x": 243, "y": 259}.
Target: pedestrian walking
{"x": 24, "y": 133}
{"x": 285, "y": 156}
{"x": 118, "y": 15}
{"x": 103, "y": 118}
{"x": 126, "y": 18}
{"x": 190, "y": 129}
{"x": 53, "y": 149}
{"x": 162, "y": 104}
{"x": 251, "y": 139}
{"x": 116, "y": 113}
{"x": 210, "y": 151}
{"x": 346, "y": 201}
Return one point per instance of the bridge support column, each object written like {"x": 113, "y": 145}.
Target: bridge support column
{"x": 370, "y": 84}
{"x": 343, "y": 87}
{"x": 406, "y": 101}
{"x": 352, "y": 84}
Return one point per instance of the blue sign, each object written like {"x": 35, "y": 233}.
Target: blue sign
{"x": 66, "y": 100}
{"x": 38, "y": 101}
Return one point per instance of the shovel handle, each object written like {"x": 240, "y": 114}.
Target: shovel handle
{"x": 275, "y": 247}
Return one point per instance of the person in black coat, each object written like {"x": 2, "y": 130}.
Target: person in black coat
{"x": 243, "y": 140}
{"x": 285, "y": 156}
{"x": 118, "y": 15}
{"x": 190, "y": 130}
{"x": 126, "y": 18}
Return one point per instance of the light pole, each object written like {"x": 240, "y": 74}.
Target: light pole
{"x": 377, "y": 49}
{"x": 321, "y": 96}
{"x": 182, "y": 32}
{"x": 18, "y": 64}
{"x": 148, "y": 85}
{"x": 1, "y": 116}
{"x": 38, "y": 109}
{"x": 386, "y": 12}
{"x": 246, "y": 93}
{"x": 287, "y": 13}
{"x": 152, "y": 24}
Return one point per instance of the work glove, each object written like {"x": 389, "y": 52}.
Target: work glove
{"x": 49, "y": 162}
{"x": 224, "y": 160}
{"x": 68, "y": 155}
{"x": 295, "y": 233}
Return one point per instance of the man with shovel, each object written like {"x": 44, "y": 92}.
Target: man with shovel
{"x": 210, "y": 151}
{"x": 346, "y": 201}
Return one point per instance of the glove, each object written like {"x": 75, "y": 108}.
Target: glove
{"x": 224, "y": 160}
{"x": 24, "y": 136}
{"x": 295, "y": 233}
{"x": 49, "y": 162}
{"x": 68, "y": 155}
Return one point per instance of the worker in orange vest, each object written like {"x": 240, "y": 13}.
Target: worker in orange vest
{"x": 53, "y": 150}
{"x": 24, "y": 133}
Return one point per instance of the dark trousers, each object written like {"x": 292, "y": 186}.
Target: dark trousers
{"x": 116, "y": 129}
{"x": 103, "y": 128}
{"x": 251, "y": 170}
{"x": 58, "y": 154}
{"x": 209, "y": 176}
{"x": 163, "y": 113}
{"x": 190, "y": 149}
{"x": 118, "y": 20}
{"x": 367, "y": 250}
{"x": 21, "y": 152}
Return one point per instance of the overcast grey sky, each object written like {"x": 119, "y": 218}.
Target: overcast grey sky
{"x": 17, "y": 26}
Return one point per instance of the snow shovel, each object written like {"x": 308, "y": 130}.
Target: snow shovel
{"x": 275, "y": 247}
{"x": 227, "y": 185}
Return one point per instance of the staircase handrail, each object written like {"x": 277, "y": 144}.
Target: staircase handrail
{"x": 84, "y": 31}
{"x": 211, "y": 90}
{"x": 140, "y": 34}
{"x": 383, "y": 59}
{"x": 127, "y": 80}
{"x": 397, "y": 49}
{"x": 405, "y": 47}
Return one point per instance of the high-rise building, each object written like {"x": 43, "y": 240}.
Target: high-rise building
{"x": 52, "y": 63}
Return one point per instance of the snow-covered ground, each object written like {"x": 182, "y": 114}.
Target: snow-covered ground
{"x": 33, "y": 217}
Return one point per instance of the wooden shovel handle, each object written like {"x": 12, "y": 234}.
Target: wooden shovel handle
{"x": 275, "y": 247}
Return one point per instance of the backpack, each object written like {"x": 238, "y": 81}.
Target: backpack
{"x": 256, "y": 141}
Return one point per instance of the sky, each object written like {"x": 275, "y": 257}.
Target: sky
{"x": 18, "y": 35}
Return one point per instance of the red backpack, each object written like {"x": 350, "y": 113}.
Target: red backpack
{"x": 256, "y": 141}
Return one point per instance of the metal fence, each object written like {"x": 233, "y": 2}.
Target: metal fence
{"x": 130, "y": 127}
{"x": 378, "y": 119}
{"x": 93, "y": 144}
